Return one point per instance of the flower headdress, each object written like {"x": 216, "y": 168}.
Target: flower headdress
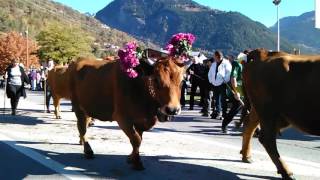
{"x": 180, "y": 44}
{"x": 129, "y": 59}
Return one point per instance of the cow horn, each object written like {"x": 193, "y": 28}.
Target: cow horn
{"x": 181, "y": 62}
{"x": 150, "y": 61}
{"x": 188, "y": 62}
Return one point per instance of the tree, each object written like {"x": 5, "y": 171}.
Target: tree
{"x": 14, "y": 45}
{"x": 63, "y": 43}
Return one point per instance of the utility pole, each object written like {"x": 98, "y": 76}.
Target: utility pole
{"x": 277, "y": 2}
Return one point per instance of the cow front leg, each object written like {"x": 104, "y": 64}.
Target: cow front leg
{"x": 56, "y": 103}
{"x": 267, "y": 138}
{"x": 135, "y": 140}
{"x": 82, "y": 123}
{"x": 251, "y": 123}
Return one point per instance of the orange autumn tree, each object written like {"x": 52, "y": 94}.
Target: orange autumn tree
{"x": 13, "y": 45}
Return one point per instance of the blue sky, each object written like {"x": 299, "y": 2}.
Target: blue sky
{"x": 263, "y": 11}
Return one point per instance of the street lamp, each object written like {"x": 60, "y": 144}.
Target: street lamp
{"x": 277, "y": 2}
{"x": 27, "y": 36}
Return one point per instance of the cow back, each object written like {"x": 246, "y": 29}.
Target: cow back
{"x": 286, "y": 85}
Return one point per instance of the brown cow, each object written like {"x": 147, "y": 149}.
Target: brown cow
{"x": 58, "y": 80}
{"x": 283, "y": 90}
{"x": 251, "y": 121}
{"x": 103, "y": 91}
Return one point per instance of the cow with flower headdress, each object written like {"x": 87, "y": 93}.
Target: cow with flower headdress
{"x": 137, "y": 90}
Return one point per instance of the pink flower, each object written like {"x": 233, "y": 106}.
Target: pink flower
{"x": 180, "y": 44}
{"x": 128, "y": 59}
{"x": 190, "y": 38}
{"x": 132, "y": 73}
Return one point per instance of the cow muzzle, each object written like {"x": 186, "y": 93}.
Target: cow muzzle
{"x": 162, "y": 117}
{"x": 171, "y": 111}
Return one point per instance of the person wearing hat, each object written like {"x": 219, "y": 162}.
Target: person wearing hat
{"x": 16, "y": 77}
{"x": 234, "y": 92}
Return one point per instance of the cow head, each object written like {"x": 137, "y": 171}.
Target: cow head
{"x": 262, "y": 54}
{"x": 163, "y": 82}
{"x": 168, "y": 75}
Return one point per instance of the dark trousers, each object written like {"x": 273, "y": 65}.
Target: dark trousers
{"x": 183, "y": 91}
{"x": 219, "y": 93}
{"x": 48, "y": 96}
{"x": 14, "y": 92}
{"x": 235, "y": 108}
{"x": 14, "y": 102}
{"x": 208, "y": 94}
{"x": 194, "y": 86}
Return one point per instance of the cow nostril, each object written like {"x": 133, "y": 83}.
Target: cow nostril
{"x": 172, "y": 111}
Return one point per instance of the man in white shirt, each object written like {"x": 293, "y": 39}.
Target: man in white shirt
{"x": 219, "y": 75}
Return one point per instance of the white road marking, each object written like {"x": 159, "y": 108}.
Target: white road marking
{"x": 44, "y": 160}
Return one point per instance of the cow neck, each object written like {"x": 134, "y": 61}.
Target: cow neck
{"x": 150, "y": 88}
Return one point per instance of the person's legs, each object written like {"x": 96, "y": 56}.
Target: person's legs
{"x": 14, "y": 104}
{"x": 192, "y": 93}
{"x": 183, "y": 91}
{"x": 207, "y": 101}
{"x": 217, "y": 103}
{"x": 235, "y": 108}
{"x": 12, "y": 94}
{"x": 223, "y": 99}
{"x": 202, "y": 92}
{"x": 48, "y": 97}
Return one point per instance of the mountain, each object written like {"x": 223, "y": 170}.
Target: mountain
{"x": 301, "y": 30}
{"x": 17, "y": 15}
{"x": 158, "y": 20}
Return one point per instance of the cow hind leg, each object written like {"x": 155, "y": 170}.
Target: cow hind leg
{"x": 82, "y": 124}
{"x": 267, "y": 138}
{"x": 251, "y": 123}
{"x": 135, "y": 140}
{"x": 56, "y": 103}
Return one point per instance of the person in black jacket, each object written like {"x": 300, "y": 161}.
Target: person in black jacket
{"x": 197, "y": 73}
{"x": 208, "y": 89}
{"x": 15, "y": 84}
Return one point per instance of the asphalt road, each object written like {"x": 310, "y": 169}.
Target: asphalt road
{"x": 36, "y": 146}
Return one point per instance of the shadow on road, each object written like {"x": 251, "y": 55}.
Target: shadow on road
{"x": 20, "y": 119}
{"x": 115, "y": 166}
{"x": 293, "y": 134}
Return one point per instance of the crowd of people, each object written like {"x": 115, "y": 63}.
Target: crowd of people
{"x": 219, "y": 81}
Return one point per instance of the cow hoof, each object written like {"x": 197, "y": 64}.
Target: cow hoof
{"x": 138, "y": 166}
{"x": 58, "y": 117}
{"x": 286, "y": 176}
{"x": 89, "y": 156}
{"x": 129, "y": 160}
{"x": 88, "y": 153}
{"x": 91, "y": 124}
{"x": 247, "y": 160}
